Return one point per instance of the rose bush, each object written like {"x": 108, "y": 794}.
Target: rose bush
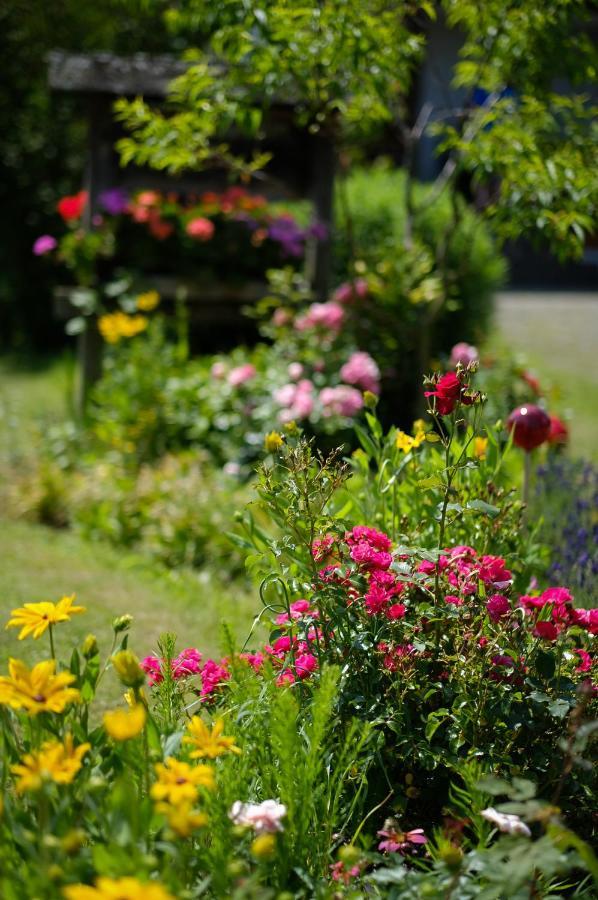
{"x": 414, "y": 674}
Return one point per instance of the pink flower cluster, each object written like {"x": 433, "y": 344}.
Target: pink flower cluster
{"x": 341, "y": 400}
{"x": 327, "y": 316}
{"x": 350, "y": 291}
{"x": 241, "y": 375}
{"x": 558, "y": 603}
{"x": 463, "y": 568}
{"x": 362, "y": 371}
{"x": 186, "y": 665}
{"x": 290, "y": 655}
{"x": 296, "y": 400}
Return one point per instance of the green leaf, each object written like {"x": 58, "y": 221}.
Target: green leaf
{"x": 75, "y": 326}
{"x": 483, "y": 507}
{"x": 558, "y": 708}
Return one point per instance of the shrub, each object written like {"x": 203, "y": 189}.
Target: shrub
{"x": 428, "y": 291}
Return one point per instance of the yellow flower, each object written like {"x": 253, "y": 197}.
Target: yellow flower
{"x": 263, "y": 846}
{"x": 273, "y": 442}
{"x": 124, "y": 724}
{"x": 35, "y": 618}
{"x": 404, "y": 442}
{"x": 114, "y": 326}
{"x": 206, "y": 742}
{"x": 183, "y": 819}
{"x": 480, "y": 445}
{"x": 117, "y": 889}
{"x": 126, "y": 666}
{"x": 38, "y": 689}
{"x": 55, "y": 761}
{"x": 178, "y": 781}
{"x": 148, "y": 300}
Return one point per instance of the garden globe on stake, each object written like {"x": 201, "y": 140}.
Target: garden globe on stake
{"x": 530, "y": 427}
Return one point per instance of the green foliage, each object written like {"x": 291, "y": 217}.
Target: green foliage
{"x": 445, "y": 280}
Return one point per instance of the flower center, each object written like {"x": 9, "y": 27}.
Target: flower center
{"x": 39, "y": 698}
{"x": 181, "y": 780}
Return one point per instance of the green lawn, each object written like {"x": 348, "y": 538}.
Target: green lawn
{"x": 40, "y": 563}
{"x": 556, "y": 334}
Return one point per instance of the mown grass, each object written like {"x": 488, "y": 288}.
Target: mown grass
{"x": 556, "y": 335}
{"x": 40, "y": 563}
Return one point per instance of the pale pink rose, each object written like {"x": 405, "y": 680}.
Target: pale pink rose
{"x": 296, "y": 400}
{"x": 285, "y": 394}
{"x": 295, "y": 371}
{"x": 463, "y": 353}
{"x": 262, "y": 817}
{"x": 362, "y": 371}
{"x": 281, "y": 318}
{"x": 218, "y": 370}
{"x": 351, "y": 290}
{"x": 328, "y": 315}
{"x": 341, "y": 400}
{"x": 241, "y": 374}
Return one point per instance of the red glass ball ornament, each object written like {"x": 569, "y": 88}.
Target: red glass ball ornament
{"x": 530, "y": 426}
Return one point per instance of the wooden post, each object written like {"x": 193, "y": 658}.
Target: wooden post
{"x": 322, "y": 197}
{"x": 99, "y": 175}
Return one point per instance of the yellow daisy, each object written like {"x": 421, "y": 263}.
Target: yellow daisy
{"x": 55, "y": 761}
{"x": 178, "y": 781}
{"x": 35, "y": 618}
{"x": 206, "y": 742}
{"x": 38, "y": 689}
{"x": 124, "y": 724}
{"x": 117, "y": 889}
{"x": 183, "y": 819}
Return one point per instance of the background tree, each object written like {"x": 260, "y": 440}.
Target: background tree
{"x": 349, "y": 67}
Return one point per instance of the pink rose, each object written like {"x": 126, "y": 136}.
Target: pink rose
{"x": 362, "y": 371}
{"x": 463, "y": 353}
{"x": 498, "y": 607}
{"x": 241, "y": 374}
{"x": 328, "y": 316}
{"x": 340, "y": 401}
{"x": 201, "y": 229}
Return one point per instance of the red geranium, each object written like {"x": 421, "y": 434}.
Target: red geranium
{"x": 71, "y": 207}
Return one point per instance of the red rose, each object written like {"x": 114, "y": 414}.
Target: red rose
{"x": 530, "y": 426}
{"x": 447, "y": 393}
{"x": 71, "y": 207}
{"x": 546, "y": 630}
{"x": 559, "y": 433}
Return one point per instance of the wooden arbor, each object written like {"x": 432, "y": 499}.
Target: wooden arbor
{"x": 302, "y": 166}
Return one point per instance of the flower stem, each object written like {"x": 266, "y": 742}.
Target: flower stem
{"x": 52, "y": 650}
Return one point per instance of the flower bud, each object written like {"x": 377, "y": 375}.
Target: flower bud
{"x": 349, "y": 854}
{"x": 273, "y": 442}
{"x": 122, "y": 623}
{"x": 370, "y": 400}
{"x": 128, "y": 669}
{"x": 90, "y": 648}
{"x": 72, "y": 841}
{"x": 264, "y": 846}
{"x": 451, "y": 856}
